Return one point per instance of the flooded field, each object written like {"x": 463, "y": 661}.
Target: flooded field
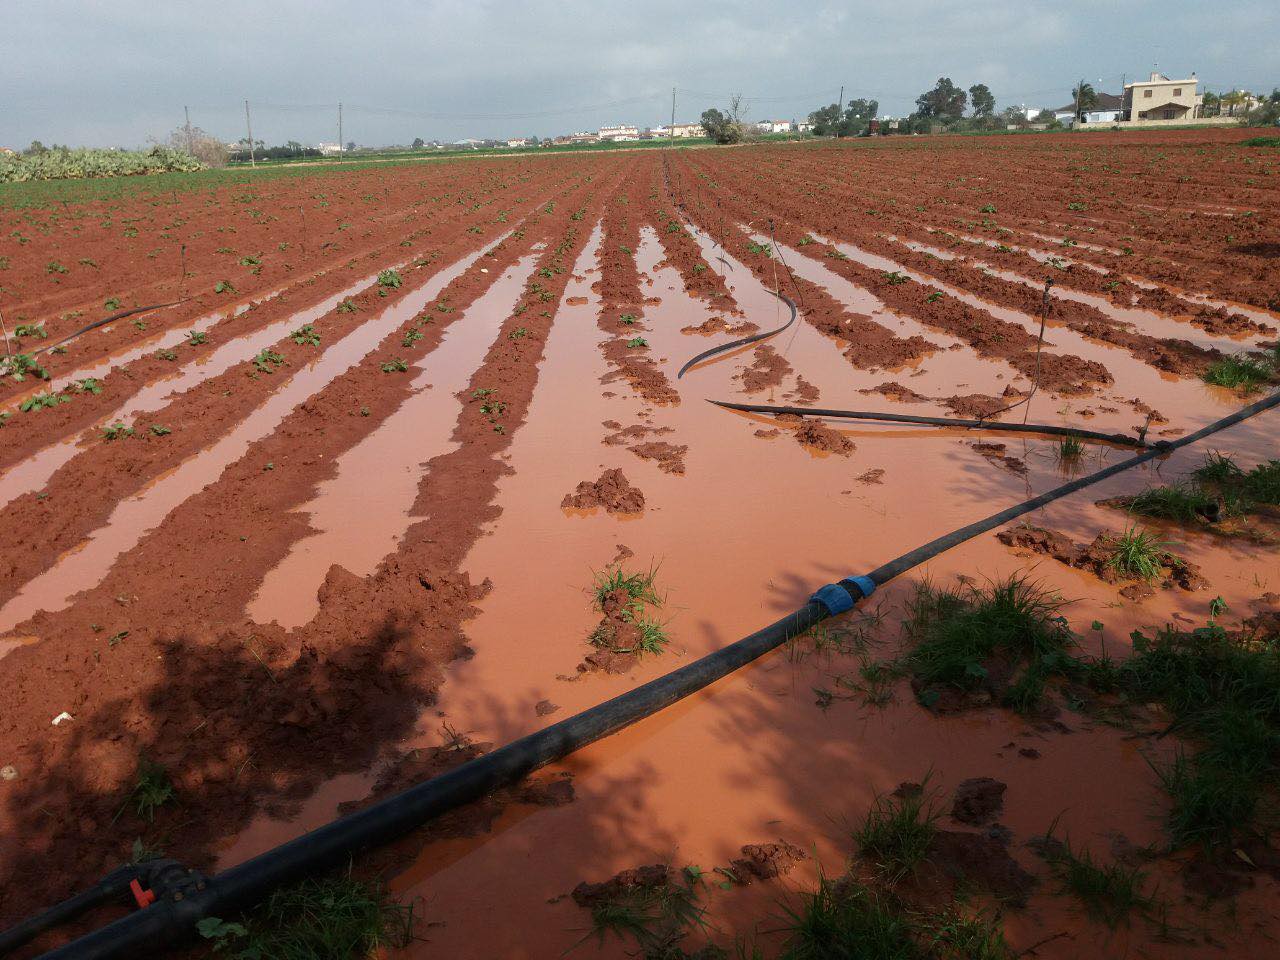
{"x": 410, "y": 473}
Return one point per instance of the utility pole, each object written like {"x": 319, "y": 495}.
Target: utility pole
{"x": 840, "y": 111}
{"x": 1124, "y": 99}
{"x": 1079, "y": 89}
{"x": 187, "y": 113}
{"x": 340, "y": 146}
{"x": 671, "y": 130}
{"x": 249, "y": 125}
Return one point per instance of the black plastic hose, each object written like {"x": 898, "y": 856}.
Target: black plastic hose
{"x": 170, "y": 921}
{"x": 1057, "y": 431}
{"x": 105, "y": 320}
{"x": 734, "y": 344}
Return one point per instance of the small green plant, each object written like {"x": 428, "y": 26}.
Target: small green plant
{"x": 53, "y": 266}
{"x": 196, "y": 337}
{"x": 519, "y": 333}
{"x": 268, "y": 361}
{"x": 19, "y": 365}
{"x": 111, "y": 303}
{"x": 395, "y": 365}
{"x": 897, "y": 831}
{"x": 250, "y": 261}
{"x": 1070, "y": 448}
{"x": 1136, "y": 553}
{"x": 1183, "y": 502}
{"x": 224, "y": 286}
{"x": 31, "y": 330}
{"x": 894, "y": 277}
{"x": 640, "y": 588}
{"x": 1109, "y": 894}
{"x": 166, "y": 355}
{"x": 1242, "y": 372}
{"x": 411, "y": 336}
{"x": 846, "y": 919}
{"x": 987, "y": 208}
{"x": 805, "y": 241}
{"x": 1218, "y": 468}
{"x": 42, "y": 401}
{"x": 152, "y": 789}
{"x": 116, "y": 431}
{"x": 346, "y": 306}
{"x": 390, "y": 279}
{"x": 760, "y": 248}
{"x": 89, "y": 385}
{"x": 627, "y": 318}
{"x": 306, "y": 336}
{"x": 1076, "y": 206}
{"x": 637, "y": 342}
{"x": 158, "y": 431}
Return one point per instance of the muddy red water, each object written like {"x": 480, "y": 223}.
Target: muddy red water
{"x": 438, "y": 502}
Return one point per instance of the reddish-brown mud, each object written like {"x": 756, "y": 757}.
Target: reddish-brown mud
{"x": 325, "y": 579}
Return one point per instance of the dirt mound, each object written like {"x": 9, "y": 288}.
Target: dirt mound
{"x": 803, "y": 392}
{"x": 669, "y": 456}
{"x": 627, "y": 882}
{"x": 897, "y": 392}
{"x": 1096, "y": 557}
{"x": 981, "y": 859}
{"x": 870, "y": 477}
{"x": 766, "y": 370}
{"x": 765, "y": 861}
{"x": 743, "y": 328}
{"x": 974, "y": 405}
{"x": 823, "y": 439}
{"x": 995, "y": 452}
{"x": 612, "y": 491}
{"x": 978, "y": 800}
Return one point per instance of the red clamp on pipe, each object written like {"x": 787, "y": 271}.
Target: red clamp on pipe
{"x": 144, "y": 898}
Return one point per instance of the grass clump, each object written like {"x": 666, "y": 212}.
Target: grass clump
{"x": 655, "y": 917}
{"x": 1136, "y": 553}
{"x": 1109, "y": 894}
{"x": 1241, "y": 372}
{"x": 955, "y": 634}
{"x": 1070, "y": 448}
{"x": 1224, "y": 691}
{"x": 847, "y": 919}
{"x": 1183, "y": 502}
{"x": 897, "y": 831}
{"x": 338, "y": 918}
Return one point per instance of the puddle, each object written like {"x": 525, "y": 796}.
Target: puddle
{"x": 34, "y": 472}
{"x": 359, "y": 523}
{"x": 85, "y": 566}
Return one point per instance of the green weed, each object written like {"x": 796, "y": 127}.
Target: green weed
{"x": 844, "y": 919}
{"x": 1136, "y": 553}
{"x": 1242, "y": 372}
{"x": 1070, "y": 448}
{"x": 1109, "y": 894}
{"x": 897, "y": 831}
{"x": 224, "y": 286}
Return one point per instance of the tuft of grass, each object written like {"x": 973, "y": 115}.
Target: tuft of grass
{"x": 897, "y": 831}
{"x": 338, "y": 918}
{"x": 1262, "y": 483}
{"x": 1241, "y": 372}
{"x": 1223, "y": 690}
{"x": 152, "y": 789}
{"x": 1136, "y": 553}
{"x": 1070, "y": 448}
{"x": 640, "y": 587}
{"x": 951, "y": 935}
{"x": 954, "y": 633}
{"x": 1183, "y": 502}
{"x": 1109, "y": 893}
{"x": 1218, "y": 468}
{"x": 846, "y": 919}
{"x": 657, "y": 917}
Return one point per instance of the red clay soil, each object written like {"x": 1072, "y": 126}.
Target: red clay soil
{"x": 716, "y": 325}
{"x": 822, "y": 439}
{"x": 669, "y": 456}
{"x": 612, "y": 491}
{"x": 1096, "y": 558}
{"x": 766, "y": 370}
{"x": 183, "y": 658}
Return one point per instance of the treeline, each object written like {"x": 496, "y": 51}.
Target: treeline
{"x": 946, "y": 106}
{"x": 291, "y": 150}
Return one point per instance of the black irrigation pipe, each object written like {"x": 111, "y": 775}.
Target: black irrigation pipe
{"x": 173, "y": 917}
{"x": 105, "y": 320}
{"x": 734, "y": 344}
{"x": 1058, "y": 431}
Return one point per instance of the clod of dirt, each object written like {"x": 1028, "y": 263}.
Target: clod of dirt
{"x": 612, "y": 491}
{"x": 804, "y": 392}
{"x": 1031, "y": 753}
{"x": 871, "y": 476}
{"x": 1096, "y": 558}
{"x": 616, "y": 637}
{"x": 765, "y": 861}
{"x": 720, "y": 325}
{"x": 544, "y": 708}
{"x": 624, "y": 553}
{"x": 995, "y": 452}
{"x": 978, "y": 800}
{"x": 896, "y": 391}
{"x": 624, "y": 435}
{"x": 670, "y": 457}
{"x": 974, "y": 405}
{"x": 767, "y": 434}
{"x": 823, "y": 439}
{"x": 766, "y": 370}
{"x": 981, "y": 859}
{"x": 628, "y": 881}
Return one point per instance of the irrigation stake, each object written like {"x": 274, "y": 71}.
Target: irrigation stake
{"x": 7, "y": 349}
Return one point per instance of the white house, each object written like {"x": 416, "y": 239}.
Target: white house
{"x": 1108, "y": 109}
{"x": 619, "y": 132}
{"x": 329, "y": 149}
{"x": 775, "y": 126}
{"x": 518, "y": 142}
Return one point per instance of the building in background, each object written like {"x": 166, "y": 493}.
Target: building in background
{"x": 1107, "y": 109}
{"x": 775, "y": 126}
{"x": 329, "y": 149}
{"x": 619, "y": 132}
{"x": 1162, "y": 99}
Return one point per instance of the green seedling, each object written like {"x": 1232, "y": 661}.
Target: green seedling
{"x": 894, "y": 277}
{"x": 411, "y": 336}
{"x": 43, "y": 401}
{"x": 111, "y": 303}
{"x": 116, "y": 431}
{"x": 196, "y": 337}
{"x": 395, "y": 365}
{"x": 519, "y": 333}
{"x": 390, "y": 279}
{"x": 19, "y": 365}
{"x": 1242, "y": 372}
{"x": 268, "y": 361}
{"x": 346, "y": 306}
{"x": 627, "y": 318}
{"x": 760, "y": 248}
{"x": 30, "y": 330}
{"x": 934, "y": 297}
{"x": 637, "y": 342}
{"x": 89, "y": 385}
{"x": 306, "y": 336}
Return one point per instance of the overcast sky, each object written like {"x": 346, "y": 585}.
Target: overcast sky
{"x": 118, "y": 72}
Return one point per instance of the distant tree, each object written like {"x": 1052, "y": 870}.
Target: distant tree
{"x": 295, "y": 147}
{"x": 980, "y": 98}
{"x": 1084, "y": 98}
{"x": 35, "y": 149}
{"x": 205, "y": 147}
{"x": 826, "y": 120}
{"x": 1212, "y": 104}
{"x": 945, "y": 102}
{"x": 418, "y": 143}
{"x": 1013, "y": 117}
{"x": 829, "y": 122}
{"x": 721, "y": 128}
{"x": 351, "y": 145}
